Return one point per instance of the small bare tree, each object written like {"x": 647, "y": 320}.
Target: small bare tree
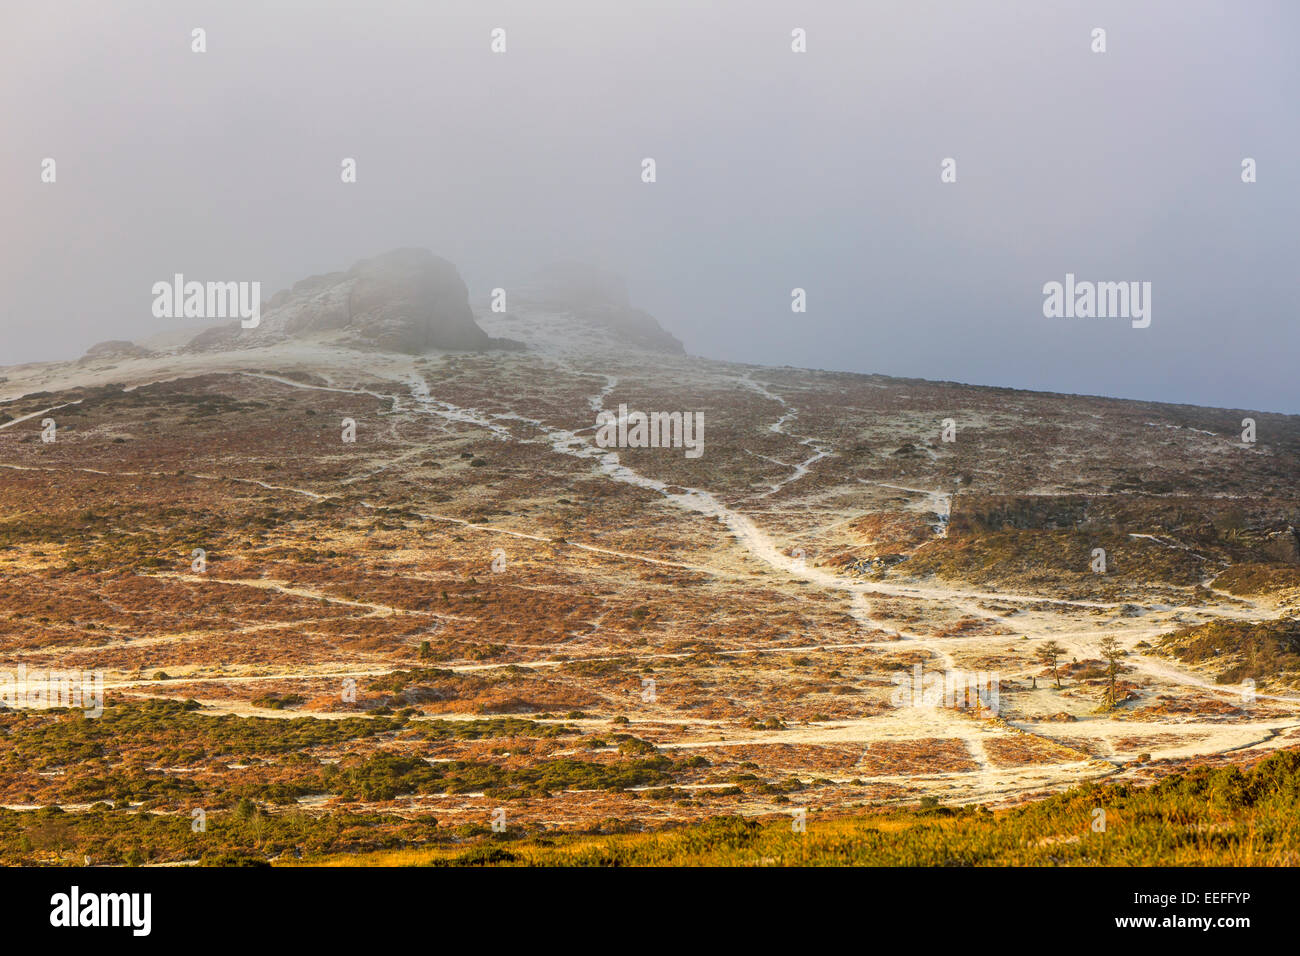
{"x": 1049, "y": 655}
{"x": 1112, "y": 652}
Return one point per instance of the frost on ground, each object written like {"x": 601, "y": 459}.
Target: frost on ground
{"x": 624, "y": 633}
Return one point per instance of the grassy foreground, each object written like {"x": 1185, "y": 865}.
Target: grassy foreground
{"x": 1223, "y": 817}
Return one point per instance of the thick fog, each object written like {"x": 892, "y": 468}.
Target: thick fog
{"x": 775, "y": 170}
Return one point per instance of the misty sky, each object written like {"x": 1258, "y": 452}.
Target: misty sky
{"x": 775, "y": 170}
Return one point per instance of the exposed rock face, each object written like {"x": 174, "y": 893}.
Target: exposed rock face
{"x": 599, "y": 298}
{"x": 407, "y": 300}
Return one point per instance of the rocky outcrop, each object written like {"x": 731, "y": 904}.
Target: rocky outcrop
{"x": 598, "y": 298}
{"x": 407, "y": 300}
{"x": 115, "y": 349}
